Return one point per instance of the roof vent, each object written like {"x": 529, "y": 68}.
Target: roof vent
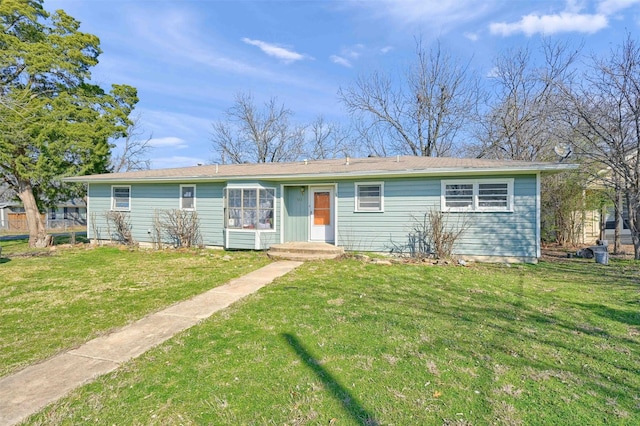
{"x": 397, "y": 158}
{"x": 348, "y": 159}
{"x": 305, "y": 162}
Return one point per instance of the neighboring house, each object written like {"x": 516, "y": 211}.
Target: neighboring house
{"x": 368, "y": 204}
{"x": 64, "y": 215}
{"x": 12, "y": 216}
{"x": 594, "y": 220}
{"x": 67, "y": 214}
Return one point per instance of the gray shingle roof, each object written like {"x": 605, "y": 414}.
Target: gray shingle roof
{"x": 334, "y": 168}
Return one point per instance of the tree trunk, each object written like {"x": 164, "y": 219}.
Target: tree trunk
{"x": 634, "y": 221}
{"x": 603, "y": 223}
{"x": 38, "y": 236}
{"x": 617, "y": 235}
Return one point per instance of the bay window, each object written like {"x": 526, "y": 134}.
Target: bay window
{"x": 250, "y": 208}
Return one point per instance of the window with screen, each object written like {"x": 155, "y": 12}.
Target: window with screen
{"x": 121, "y": 198}
{"x": 478, "y": 196}
{"x": 369, "y": 197}
{"x": 187, "y": 197}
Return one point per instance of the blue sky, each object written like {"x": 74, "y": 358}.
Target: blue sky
{"x": 189, "y": 58}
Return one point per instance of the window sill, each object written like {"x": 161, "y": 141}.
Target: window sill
{"x": 251, "y": 229}
{"x": 476, "y": 211}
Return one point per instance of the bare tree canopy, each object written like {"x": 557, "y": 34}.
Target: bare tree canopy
{"x": 424, "y": 115}
{"x": 133, "y": 153}
{"x": 257, "y": 135}
{"x": 327, "y": 140}
{"x": 603, "y": 110}
{"x": 521, "y": 119}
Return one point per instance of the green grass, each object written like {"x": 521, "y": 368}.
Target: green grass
{"x": 53, "y": 301}
{"x": 348, "y": 343}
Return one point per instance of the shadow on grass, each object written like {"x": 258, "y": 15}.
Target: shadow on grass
{"x": 350, "y": 404}
{"x": 4, "y": 260}
{"x": 617, "y": 273}
{"x": 630, "y": 317}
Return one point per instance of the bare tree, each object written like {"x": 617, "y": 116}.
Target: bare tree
{"x": 133, "y": 154}
{"x": 603, "y": 108}
{"x": 520, "y": 122}
{"x": 328, "y": 140}
{"x": 257, "y": 135}
{"x": 425, "y": 113}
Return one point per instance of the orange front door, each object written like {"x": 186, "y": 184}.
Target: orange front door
{"x": 322, "y": 228}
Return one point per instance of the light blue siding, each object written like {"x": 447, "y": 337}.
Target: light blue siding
{"x": 505, "y": 234}
{"x": 99, "y": 202}
{"x": 150, "y": 199}
{"x": 407, "y": 200}
{"x": 404, "y": 199}
{"x": 241, "y": 240}
{"x": 296, "y": 214}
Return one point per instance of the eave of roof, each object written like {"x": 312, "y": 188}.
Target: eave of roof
{"x": 331, "y": 169}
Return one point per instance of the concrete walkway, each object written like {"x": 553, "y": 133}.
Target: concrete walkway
{"x": 29, "y": 390}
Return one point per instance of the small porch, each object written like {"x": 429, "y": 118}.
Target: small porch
{"x": 304, "y": 251}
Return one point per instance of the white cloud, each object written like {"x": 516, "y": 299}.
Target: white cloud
{"x": 173, "y": 123}
{"x": 419, "y": 15}
{"x": 551, "y": 24}
{"x": 176, "y": 161}
{"x": 471, "y": 36}
{"x": 276, "y": 51}
{"x": 493, "y": 72}
{"x": 340, "y": 61}
{"x": 348, "y": 55}
{"x": 609, "y": 7}
{"x": 168, "y": 142}
{"x": 176, "y": 34}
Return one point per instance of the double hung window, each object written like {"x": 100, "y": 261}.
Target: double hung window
{"x": 187, "y": 197}
{"x": 369, "y": 197}
{"x": 121, "y": 198}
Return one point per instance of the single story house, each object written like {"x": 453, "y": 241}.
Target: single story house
{"x": 365, "y": 204}
{"x": 65, "y": 214}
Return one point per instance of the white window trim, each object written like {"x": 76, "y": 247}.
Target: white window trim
{"x": 355, "y": 197}
{"x": 251, "y": 186}
{"x": 113, "y": 199}
{"x": 194, "y": 197}
{"x": 474, "y": 205}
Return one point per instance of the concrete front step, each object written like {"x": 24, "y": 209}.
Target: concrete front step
{"x": 302, "y": 251}
{"x": 302, "y": 257}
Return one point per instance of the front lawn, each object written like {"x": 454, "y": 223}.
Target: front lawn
{"x": 53, "y": 301}
{"x": 348, "y": 343}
